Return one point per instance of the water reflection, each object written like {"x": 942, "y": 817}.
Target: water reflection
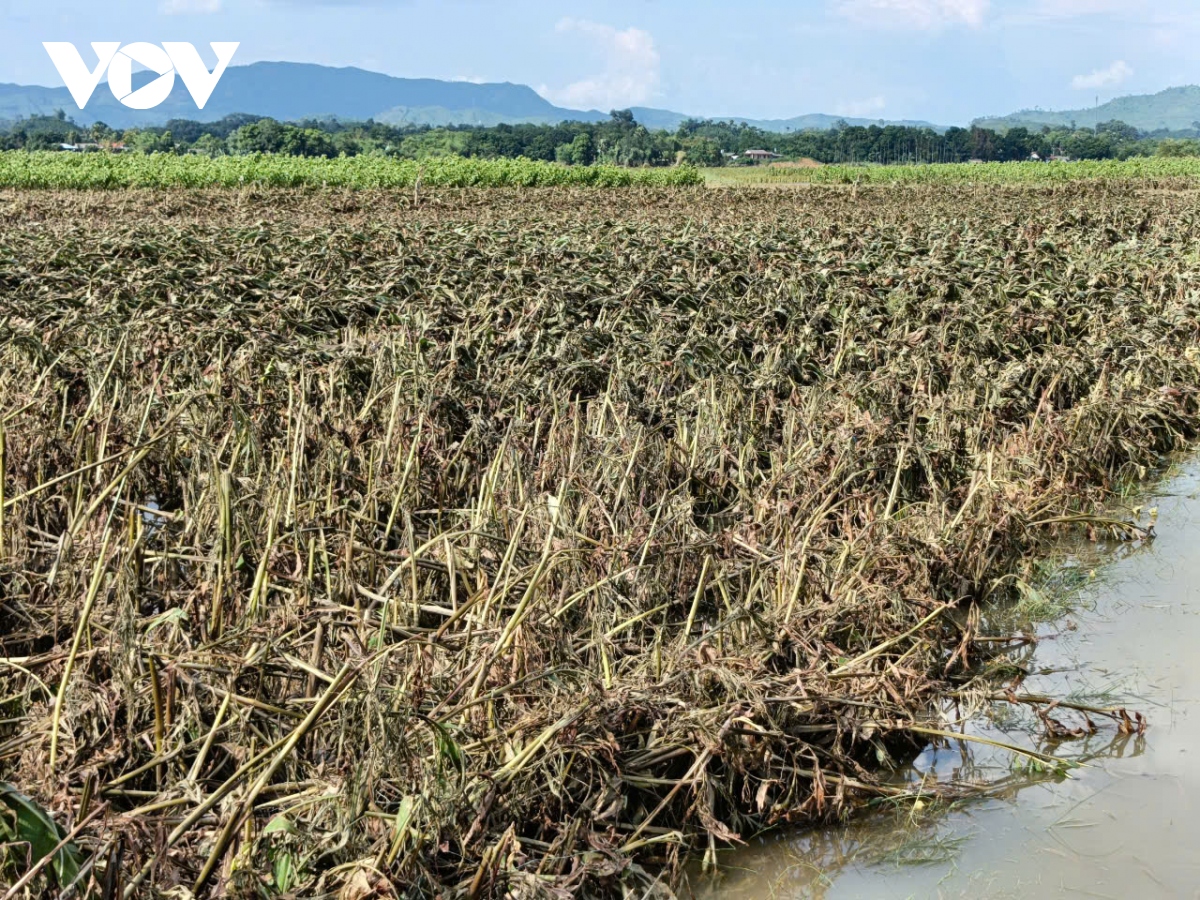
{"x": 1121, "y": 825}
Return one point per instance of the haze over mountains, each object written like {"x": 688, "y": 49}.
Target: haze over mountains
{"x": 291, "y": 91}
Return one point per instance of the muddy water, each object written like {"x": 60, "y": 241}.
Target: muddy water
{"x": 1126, "y": 825}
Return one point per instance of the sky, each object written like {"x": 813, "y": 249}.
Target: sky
{"x": 944, "y": 61}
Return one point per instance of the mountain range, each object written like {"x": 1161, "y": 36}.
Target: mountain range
{"x": 1175, "y": 109}
{"x": 291, "y": 91}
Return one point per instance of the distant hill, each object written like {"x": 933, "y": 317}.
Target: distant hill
{"x": 1175, "y": 109}
{"x": 290, "y": 91}
{"x": 665, "y": 119}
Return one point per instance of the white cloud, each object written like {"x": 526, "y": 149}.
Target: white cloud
{"x": 630, "y": 75}
{"x": 1118, "y": 72}
{"x": 470, "y": 79}
{"x": 861, "y": 109}
{"x": 189, "y": 7}
{"x": 920, "y": 14}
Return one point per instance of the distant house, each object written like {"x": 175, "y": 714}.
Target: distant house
{"x": 1035, "y": 157}
{"x": 117, "y": 147}
{"x": 760, "y": 155}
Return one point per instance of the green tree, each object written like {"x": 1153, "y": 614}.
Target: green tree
{"x": 269, "y": 136}
{"x": 703, "y": 152}
{"x": 209, "y": 145}
{"x": 1178, "y": 148}
{"x": 100, "y": 133}
{"x": 150, "y": 141}
{"x": 579, "y": 152}
{"x": 1118, "y": 131}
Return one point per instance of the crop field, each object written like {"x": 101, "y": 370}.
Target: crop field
{"x": 489, "y": 543}
{"x": 95, "y": 171}
{"x": 1138, "y": 168}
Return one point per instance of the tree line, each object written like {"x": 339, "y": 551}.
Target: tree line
{"x": 618, "y": 140}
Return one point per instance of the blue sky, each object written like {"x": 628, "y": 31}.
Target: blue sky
{"x": 946, "y": 61}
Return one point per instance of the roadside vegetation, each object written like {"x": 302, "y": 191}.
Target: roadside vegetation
{"x": 499, "y": 543}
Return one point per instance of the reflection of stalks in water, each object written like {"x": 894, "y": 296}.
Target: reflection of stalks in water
{"x": 915, "y": 829}
{"x": 1121, "y": 746}
{"x": 925, "y": 850}
{"x": 1012, "y": 659}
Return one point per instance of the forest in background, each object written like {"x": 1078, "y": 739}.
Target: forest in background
{"x": 620, "y": 140}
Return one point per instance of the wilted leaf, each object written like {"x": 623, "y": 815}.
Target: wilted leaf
{"x": 33, "y": 826}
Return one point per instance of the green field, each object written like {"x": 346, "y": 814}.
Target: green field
{"x": 20, "y": 169}
{"x": 959, "y": 173}
{"x": 103, "y": 170}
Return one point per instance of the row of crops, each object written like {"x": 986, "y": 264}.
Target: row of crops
{"x": 1012, "y": 172}
{"x": 104, "y": 170}
{"x": 956, "y": 173}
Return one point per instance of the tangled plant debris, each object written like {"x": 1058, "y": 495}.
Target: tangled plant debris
{"x": 493, "y": 543}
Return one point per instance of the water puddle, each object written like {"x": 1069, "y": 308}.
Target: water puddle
{"x": 1121, "y": 826}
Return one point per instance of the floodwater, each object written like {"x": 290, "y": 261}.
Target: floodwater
{"x": 1125, "y": 825}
